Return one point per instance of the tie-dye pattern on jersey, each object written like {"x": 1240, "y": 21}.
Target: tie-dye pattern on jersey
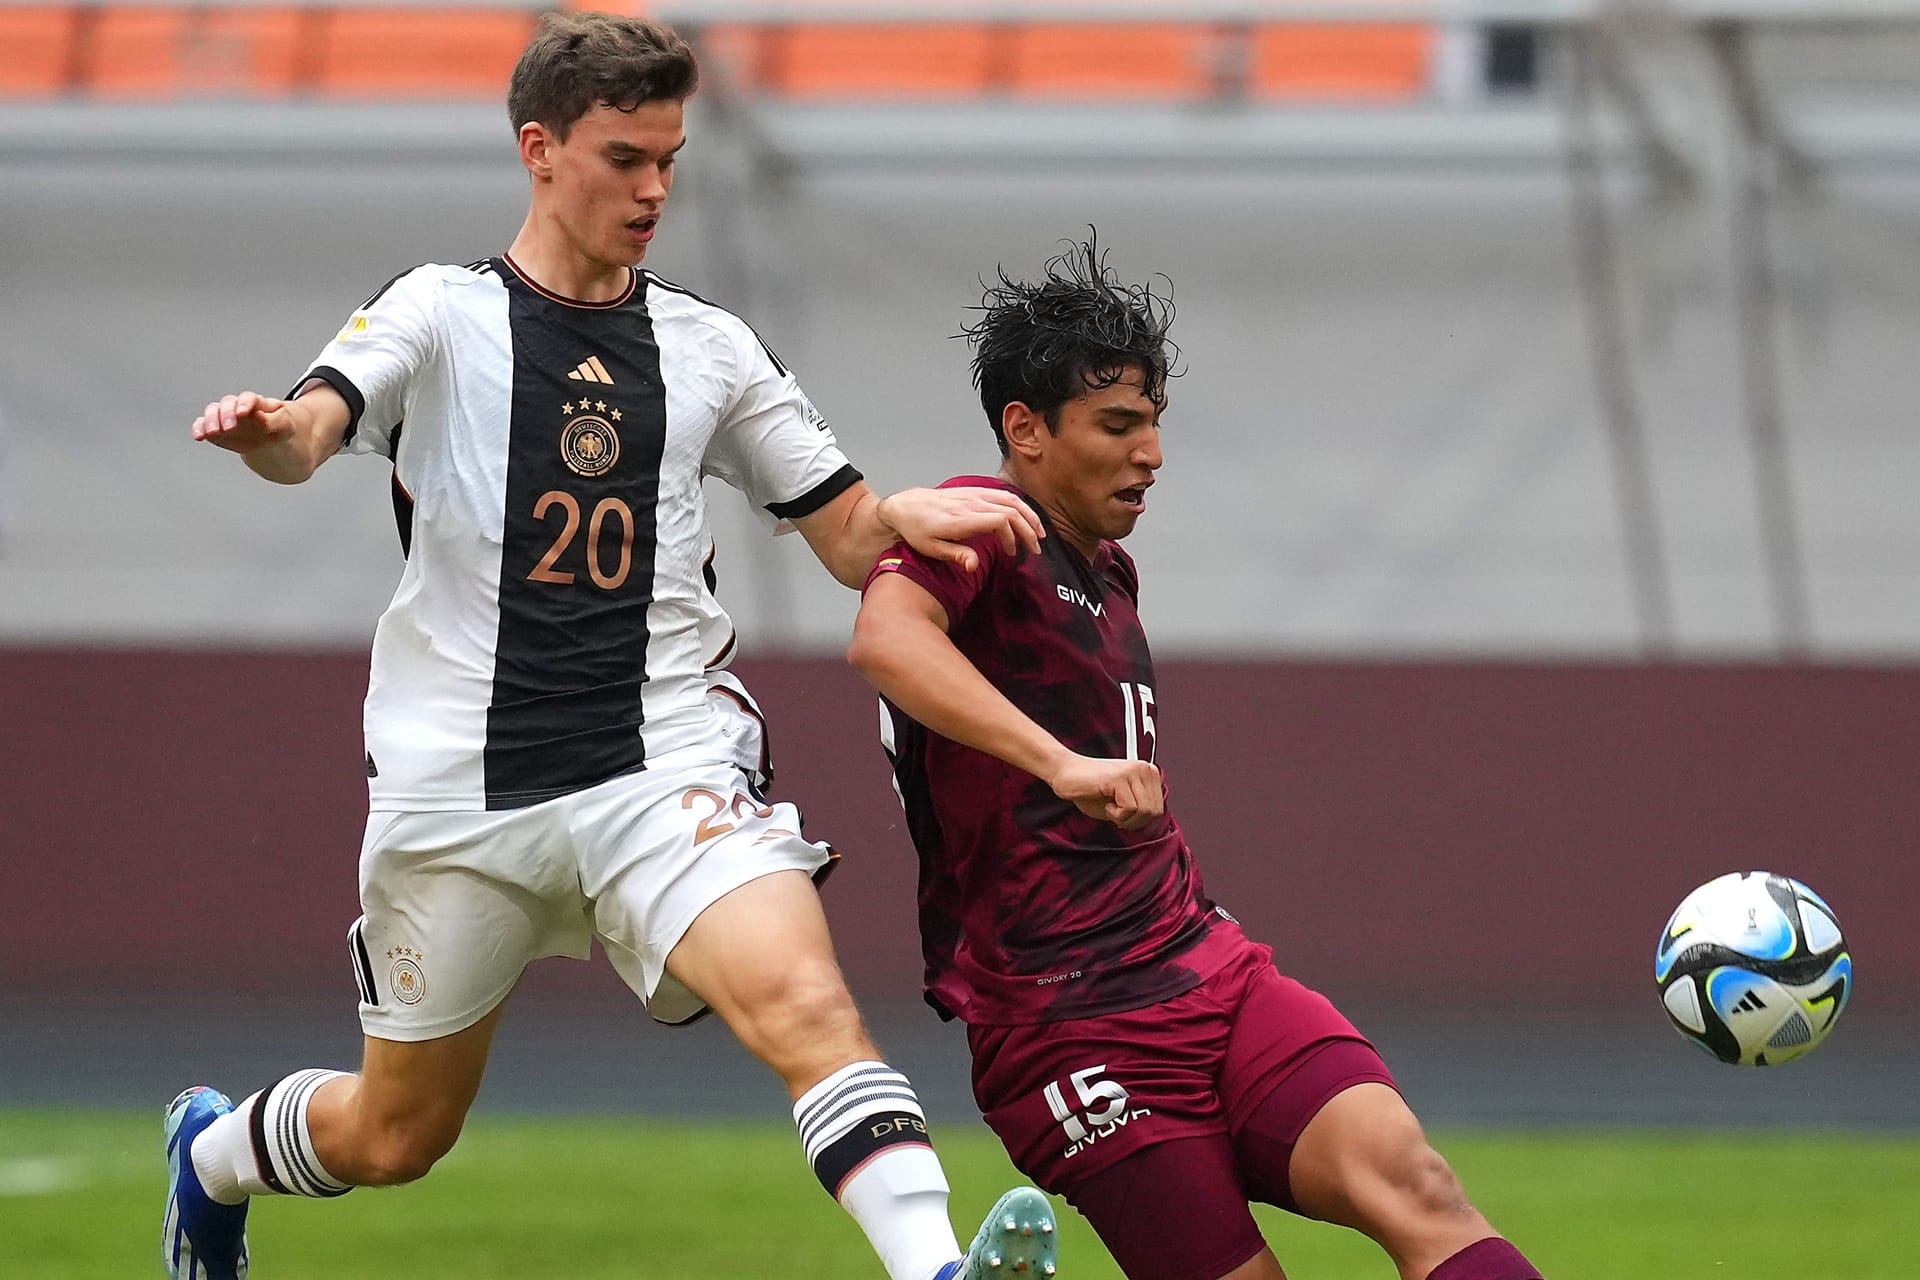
{"x": 1031, "y": 911}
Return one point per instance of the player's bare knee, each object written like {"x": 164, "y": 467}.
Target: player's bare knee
{"x": 1431, "y": 1188}
{"x": 397, "y": 1155}
{"x": 391, "y": 1165}
{"x": 820, "y": 1010}
{"x": 805, "y": 1009}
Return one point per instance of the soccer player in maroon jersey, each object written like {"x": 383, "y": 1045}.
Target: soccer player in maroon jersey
{"x": 1134, "y": 1050}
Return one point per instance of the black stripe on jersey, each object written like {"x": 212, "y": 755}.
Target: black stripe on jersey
{"x": 362, "y": 964}
{"x": 818, "y": 496}
{"x": 402, "y": 500}
{"x": 403, "y": 515}
{"x": 685, "y": 292}
{"x": 382, "y": 290}
{"x": 356, "y": 403}
{"x": 904, "y": 740}
{"x": 571, "y": 653}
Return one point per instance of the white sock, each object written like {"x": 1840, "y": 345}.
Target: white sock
{"x": 263, "y": 1147}
{"x": 866, "y": 1138}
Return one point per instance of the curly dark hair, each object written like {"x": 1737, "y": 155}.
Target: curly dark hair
{"x": 1077, "y": 329}
{"x": 578, "y": 60}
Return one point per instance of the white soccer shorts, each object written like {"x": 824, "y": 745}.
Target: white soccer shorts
{"x": 458, "y": 904}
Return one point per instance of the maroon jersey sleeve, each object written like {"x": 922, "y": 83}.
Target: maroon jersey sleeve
{"x": 954, "y": 587}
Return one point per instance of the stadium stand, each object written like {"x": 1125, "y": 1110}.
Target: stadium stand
{"x": 399, "y": 52}
{"x": 1459, "y": 222}
{"x": 402, "y": 51}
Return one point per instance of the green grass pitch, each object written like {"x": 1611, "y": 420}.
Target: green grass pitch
{"x": 582, "y": 1198}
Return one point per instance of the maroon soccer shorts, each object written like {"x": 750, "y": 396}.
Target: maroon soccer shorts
{"x": 1071, "y": 1099}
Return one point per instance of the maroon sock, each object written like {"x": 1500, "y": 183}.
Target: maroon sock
{"x": 1489, "y": 1259}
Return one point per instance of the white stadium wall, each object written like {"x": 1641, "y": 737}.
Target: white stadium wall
{"x": 1386, "y": 441}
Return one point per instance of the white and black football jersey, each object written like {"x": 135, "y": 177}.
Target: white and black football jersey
{"x": 556, "y": 616}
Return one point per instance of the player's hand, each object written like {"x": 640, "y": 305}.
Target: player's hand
{"x": 244, "y": 422}
{"x": 939, "y": 522}
{"x": 1127, "y": 793}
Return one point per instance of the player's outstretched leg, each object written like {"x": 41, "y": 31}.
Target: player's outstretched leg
{"x": 200, "y": 1237}
{"x": 1363, "y": 1162}
{"x": 1018, "y": 1238}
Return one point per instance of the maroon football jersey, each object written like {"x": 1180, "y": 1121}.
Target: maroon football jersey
{"x": 1030, "y": 911}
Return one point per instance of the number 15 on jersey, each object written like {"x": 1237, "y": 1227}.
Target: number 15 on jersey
{"x": 1141, "y": 740}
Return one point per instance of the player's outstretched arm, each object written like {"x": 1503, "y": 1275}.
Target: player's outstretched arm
{"x": 284, "y": 441}
{"x": 900, "y": 645}
{"x": 849, "y": 533}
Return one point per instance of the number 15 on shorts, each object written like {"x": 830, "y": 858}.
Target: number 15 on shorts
{"x": 1103, "y": 1107}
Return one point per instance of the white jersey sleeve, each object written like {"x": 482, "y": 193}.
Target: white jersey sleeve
{"x": 770, "y": 442}
{"x": 375, "y": 360}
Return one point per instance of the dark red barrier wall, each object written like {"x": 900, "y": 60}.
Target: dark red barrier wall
{"x": 1455, "y": 834}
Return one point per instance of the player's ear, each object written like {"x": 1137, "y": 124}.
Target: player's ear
{"x": 1024, "y": 430}
{"x": 536, "y": 148}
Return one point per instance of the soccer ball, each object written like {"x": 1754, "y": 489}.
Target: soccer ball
{"x": 1752, "y": 968}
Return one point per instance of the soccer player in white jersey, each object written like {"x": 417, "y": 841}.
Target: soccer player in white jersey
{"x": 554, "y": 753}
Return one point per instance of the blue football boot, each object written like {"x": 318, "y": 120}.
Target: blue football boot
{"x": 200, "y": 1239}
{"x": 1017, "y": 1238}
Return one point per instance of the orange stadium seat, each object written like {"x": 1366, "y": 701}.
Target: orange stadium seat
{"x": 733, "y": 51}
{"x": 419, "y": 53}
{"x": 1389, "y": 62}
{"x": 37, "y": 50}
{"x": 909, "y": 60}
{"x": 136, "y": 51}
{"x": 253, "y": 51}
{"x": 1131, "y": 60}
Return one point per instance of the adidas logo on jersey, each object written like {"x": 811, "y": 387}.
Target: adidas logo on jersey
{"x": 591, "y": 370}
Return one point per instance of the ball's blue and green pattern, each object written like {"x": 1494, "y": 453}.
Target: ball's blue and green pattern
{"x": 1753, "y": 968}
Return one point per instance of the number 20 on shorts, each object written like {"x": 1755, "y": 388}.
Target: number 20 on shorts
{"x": 713, "y": 825}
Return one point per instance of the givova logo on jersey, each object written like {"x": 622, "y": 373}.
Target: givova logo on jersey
{"x": 1081, "y": 598}
{"x": 1104, "y": 1108}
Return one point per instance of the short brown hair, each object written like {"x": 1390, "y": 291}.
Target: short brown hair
{"x": 578, "y": 60}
